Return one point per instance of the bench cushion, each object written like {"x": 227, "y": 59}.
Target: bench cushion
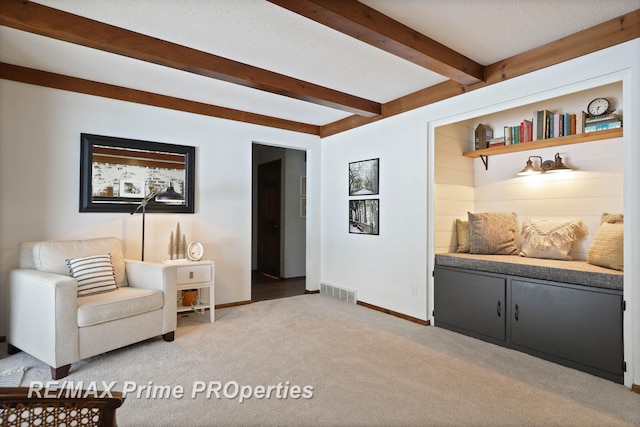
{"x": 574, "y": 272}
{"x": 124, "y": 302}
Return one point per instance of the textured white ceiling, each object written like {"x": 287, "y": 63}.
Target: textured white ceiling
{"x": 261, "y": 34}
{"x": 489, "y": 31}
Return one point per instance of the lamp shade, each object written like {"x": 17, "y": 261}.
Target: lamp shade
{"x": 558, "y": 166}
{"x": 170, "y": 196}
{"x": 529, "y": 169}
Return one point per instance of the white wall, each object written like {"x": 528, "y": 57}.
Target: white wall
{"x": 40, "y": 168}
{"x": 384, "y": 268}
{"x": 295, "y": 225}
{"x": 379, "y": 268}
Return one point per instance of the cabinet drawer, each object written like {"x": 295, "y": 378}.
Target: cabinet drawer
{"x": 194, "y": 274}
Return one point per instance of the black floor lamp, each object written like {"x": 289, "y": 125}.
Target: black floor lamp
{"x": 169, "y": 196}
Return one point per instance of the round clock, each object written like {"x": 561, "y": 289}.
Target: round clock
{"x": 195, "y": 251}
{"x": 599, "y": 106}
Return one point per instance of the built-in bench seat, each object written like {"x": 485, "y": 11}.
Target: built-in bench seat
{"x": 573, "y": 272}
{"x": 568, "y": 312}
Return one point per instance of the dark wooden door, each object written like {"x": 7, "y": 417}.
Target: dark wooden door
{"x": 269, "y": 178}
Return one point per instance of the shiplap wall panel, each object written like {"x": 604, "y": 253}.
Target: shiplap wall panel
{"x": 454, "y": 175}
{"x": 596, "y": 186}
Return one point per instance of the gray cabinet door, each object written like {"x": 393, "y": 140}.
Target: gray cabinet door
{"x": 470, "y": 302}
{"x": 575, "y": 324}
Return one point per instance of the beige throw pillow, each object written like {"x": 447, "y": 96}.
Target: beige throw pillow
{"x": 462, "y": 231}
{"x": 492, "y": 233}
{"x": 607, "y": 248}
{"x": 611, "y": 218}
{"x": 550, "y": 239}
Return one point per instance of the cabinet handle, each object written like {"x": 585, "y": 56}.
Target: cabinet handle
{"x": 191, "y": 275}
{"x": 499, "y": 309}
{"x": 516, "y": 312}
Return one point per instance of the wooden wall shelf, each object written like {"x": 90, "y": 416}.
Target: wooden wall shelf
{"x": 544, "y": 143}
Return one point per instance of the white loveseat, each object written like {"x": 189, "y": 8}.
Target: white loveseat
{"x": 52, "y": 323}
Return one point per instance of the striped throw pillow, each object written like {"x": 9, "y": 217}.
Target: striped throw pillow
{"x": 94, "y": 274}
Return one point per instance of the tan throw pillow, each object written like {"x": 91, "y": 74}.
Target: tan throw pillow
{"x": 462, "y": 231}
{"x": 607, "y": 248}
{"x": 611, "y": 218}
{"x": 550, "y": 239}
{"x": 492, "y": 233}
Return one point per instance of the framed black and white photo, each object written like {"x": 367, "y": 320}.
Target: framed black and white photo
{"x": 303, "y": 207}
{"x": 364, "y": 216}
{"x": 132, "y": 189}
{"x": 364, "y": 177}
{"x": 303, "y": 185}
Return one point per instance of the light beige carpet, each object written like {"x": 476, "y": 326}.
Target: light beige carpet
{"x": 366, "y": 368}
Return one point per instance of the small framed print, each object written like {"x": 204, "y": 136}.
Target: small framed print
{"x": 132, "y": 189}
{"x": 195, "y": 251}
{"x": 364, "y": 177}
{"x": 364, "y": 216}
{"x": 303, "y": 185}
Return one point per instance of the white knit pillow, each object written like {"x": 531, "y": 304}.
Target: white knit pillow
{"x": 94, "y": 274}
{"x": 550, "y": 239}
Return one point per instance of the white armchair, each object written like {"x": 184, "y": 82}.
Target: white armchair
{"x": 52, "y": 323}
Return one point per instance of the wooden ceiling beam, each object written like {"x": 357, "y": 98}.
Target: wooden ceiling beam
{"x": 358, "y": 20}
{"x": 89, "y": 87}
{"x": 610, "y": 33}
{"x": 49, "y": 22}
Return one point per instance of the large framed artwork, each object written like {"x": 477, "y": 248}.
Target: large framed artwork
{"x": 116, "y": 174}
{"x": 364, "y": 216}
{"x": 364, "y": 177}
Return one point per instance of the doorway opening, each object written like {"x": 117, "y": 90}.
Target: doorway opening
{"x": 278, "y": 259}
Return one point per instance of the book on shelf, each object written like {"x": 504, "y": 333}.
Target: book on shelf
{"x": 515, "y": 133}
{"x": 572, "y": 126}
{"x": 508, "y": 135}
{"x": 548, "y": 133}
{"x": 602, "y": 118}
{"x": 594, "y": 127}
{"x": 541, "y": 124}
{"x": 557, "y": 125}
{"x": 581, "y": 118}
{"x": 526, "y": 131}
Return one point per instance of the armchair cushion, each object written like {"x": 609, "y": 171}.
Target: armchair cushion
{"x": 124, "y": 302}
{"x": 94, "y": 274}
{"x": 51, "y": 256}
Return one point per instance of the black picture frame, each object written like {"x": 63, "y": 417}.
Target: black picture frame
{"x": 364, "y": 177}
{"x": 364, "y": 216}
{"x": 109, "y": 203}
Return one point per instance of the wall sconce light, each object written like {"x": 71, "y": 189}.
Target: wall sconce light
{"x": 554, "y": 166}
{"x": 530, "y": 169}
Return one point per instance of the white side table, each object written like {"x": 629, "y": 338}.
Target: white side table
{"x": 198, "y": 275}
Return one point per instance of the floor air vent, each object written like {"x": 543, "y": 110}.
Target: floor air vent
{"x": 346, "y": 295}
